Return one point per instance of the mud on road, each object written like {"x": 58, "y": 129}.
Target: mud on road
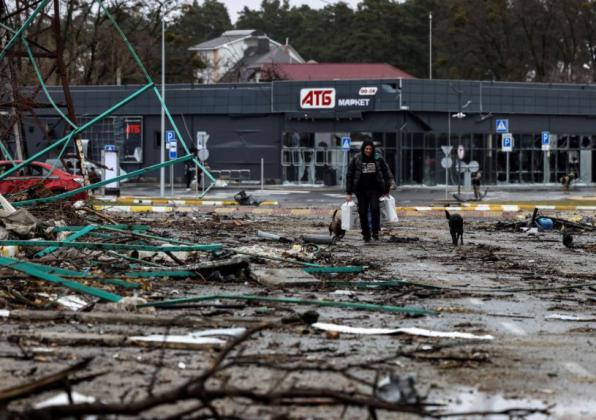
{"x": 531, "y": 294}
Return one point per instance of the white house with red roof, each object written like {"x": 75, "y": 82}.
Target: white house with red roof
{"x": 238, "y": 55}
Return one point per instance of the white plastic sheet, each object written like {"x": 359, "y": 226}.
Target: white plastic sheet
{"x": 562, "y": 317}
{"x": 197, "y": 337}
{"x": 410, "y": 331}
{"x": 62, "y": 399}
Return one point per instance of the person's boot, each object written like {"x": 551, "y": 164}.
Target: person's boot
{"x": 375, "y": 236}
{"x": 366, "y": 238}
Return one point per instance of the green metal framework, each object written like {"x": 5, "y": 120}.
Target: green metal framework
{"x": 37, "y": 271}
{"x": 18, "y": 36}
{"x": 112, "y": 247}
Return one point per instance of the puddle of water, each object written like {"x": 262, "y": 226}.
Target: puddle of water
{"x": 471, "y": 400}
{"x": 475, "y": 401}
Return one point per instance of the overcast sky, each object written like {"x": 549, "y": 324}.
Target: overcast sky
{"x": 235, "y": 6}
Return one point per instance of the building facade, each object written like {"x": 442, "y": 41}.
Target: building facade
{"x": 302, "y": 129}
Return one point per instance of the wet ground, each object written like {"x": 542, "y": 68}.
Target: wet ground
{"x": 534, "y": 297}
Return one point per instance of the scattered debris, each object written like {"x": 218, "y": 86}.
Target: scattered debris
{"x": 319, "y": 239}
{"x": 72, "y": 302}
{"x": 398, "y": 390}
{"x": 284, "y": 277}
{"x": 196, "y": 274}
{"x": 246, "y": 200}
{"x": 402, "y": 240}
{"x": 273, "y": 237}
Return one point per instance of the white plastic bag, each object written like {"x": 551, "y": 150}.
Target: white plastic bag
{"x": 349, "y": 213}
{"x": 387, "y": 207}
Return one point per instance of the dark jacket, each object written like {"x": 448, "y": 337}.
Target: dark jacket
{"x": 383, "y": 174}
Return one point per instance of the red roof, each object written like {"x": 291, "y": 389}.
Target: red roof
{"x": 332, "y": 71}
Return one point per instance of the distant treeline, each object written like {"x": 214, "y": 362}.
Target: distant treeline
{"x": 514, "y": 40}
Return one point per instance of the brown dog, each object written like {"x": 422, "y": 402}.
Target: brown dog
{"x": 335, "y": 227}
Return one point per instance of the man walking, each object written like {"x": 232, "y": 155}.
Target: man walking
{"x": 369, "y": 178}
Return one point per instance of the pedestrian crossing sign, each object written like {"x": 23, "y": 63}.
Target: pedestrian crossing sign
{"x": 502, "y": 126}
{"x": 346, "y": 143}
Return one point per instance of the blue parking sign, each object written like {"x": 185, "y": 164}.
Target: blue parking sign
{"x": 545, "y": 141}
{"x": 506, "y": 142}
{"x": 170, "y": 136}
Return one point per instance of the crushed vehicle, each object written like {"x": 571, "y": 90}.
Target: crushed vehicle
{"x": 39, "y": 174}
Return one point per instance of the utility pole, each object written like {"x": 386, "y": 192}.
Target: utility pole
{"x": 162, "y": 146}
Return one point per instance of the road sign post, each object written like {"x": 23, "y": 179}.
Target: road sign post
{"x": 507, "y": 147}
{"x": 545, "y": 148}
{"x": 461, "y": 153}
{"x": 172, "y": 154}
{"x": 346, "y": 144}
{"x": 446, "y": 163}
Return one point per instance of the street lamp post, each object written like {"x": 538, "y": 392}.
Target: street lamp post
{"x": 460, "y": 115}
{"x": 162, "y": 146}
{"x": 430, "y": 46}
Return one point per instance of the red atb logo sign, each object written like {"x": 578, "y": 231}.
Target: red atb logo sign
{"x": 317, "y": 98}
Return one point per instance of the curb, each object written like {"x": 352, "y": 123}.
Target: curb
{"x": 480, "y": 210}
{"x": 192, "y": 202}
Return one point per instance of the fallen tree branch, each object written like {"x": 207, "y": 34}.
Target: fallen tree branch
{"x": 44, "y": 383}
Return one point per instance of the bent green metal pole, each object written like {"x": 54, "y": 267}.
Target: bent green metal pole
{"x": 69, "y": 238}
{"x": 5, "y": 152}
{"x": 101, "y": 183}
{"x": 22, "y": 29}
{"x": 35, "y": 271}
{"x": 113, "y": 246}
{"x": 77, "y": 131}
{"x": 131, "y": 49}
{"x": 137, "y": 59}
{"x": 43, "y": 85}
{"x": 120, "y": 228}
{"x": 35, "y": 156}
{"x": 146, "y": 236}
{"x": 294, "y": 301}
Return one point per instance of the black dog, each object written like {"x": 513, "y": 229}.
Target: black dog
{"x": 335, "y": 227}
{"x": 456, "y": 227}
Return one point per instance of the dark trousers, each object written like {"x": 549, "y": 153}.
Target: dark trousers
{"x": 188, "y": 176}
{"x": 369, "y": 200}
